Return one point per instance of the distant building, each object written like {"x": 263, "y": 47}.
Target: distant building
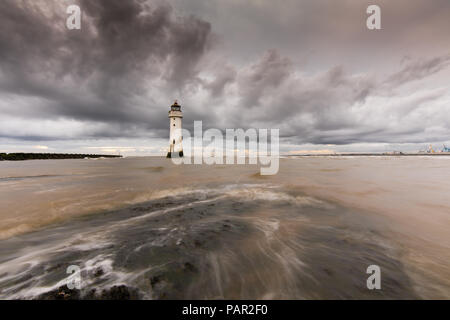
{"x": 176, "y": 137}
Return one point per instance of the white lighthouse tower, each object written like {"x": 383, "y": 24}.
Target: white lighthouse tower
{"x": 176, "y": 138}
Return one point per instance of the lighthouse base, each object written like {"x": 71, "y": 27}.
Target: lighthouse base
{"x": 175, "y": 154}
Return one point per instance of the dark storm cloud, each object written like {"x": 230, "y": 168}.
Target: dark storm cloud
{"x": 94, "y": 74}
{"x": 133, "y": 33}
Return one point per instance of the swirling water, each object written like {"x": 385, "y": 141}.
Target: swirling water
{"x": 214, "y": 232}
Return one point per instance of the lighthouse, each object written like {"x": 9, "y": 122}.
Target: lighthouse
{"x": 176, "y": 138}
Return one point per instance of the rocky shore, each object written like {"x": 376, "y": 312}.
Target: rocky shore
{"x": 121, "y": 292}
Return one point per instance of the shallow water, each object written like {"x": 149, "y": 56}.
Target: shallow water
{"x": 176, "y": 232}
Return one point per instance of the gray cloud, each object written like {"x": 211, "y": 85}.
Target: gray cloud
{"x": 310, "y": 68}
{"x": 224, "y": 76}
{"x": 338, "y": 107}
{"x": 417, "y": 70}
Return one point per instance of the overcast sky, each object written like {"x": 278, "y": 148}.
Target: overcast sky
{"x": 310, "y": 68}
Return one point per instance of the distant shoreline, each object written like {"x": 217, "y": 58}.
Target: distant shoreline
{"x": 51, "y": 156}
{"x": 369, "y": 154}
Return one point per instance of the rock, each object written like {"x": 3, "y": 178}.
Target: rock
{"x": 62, "y": 293}
{"x": 121, "y": 292}
{"x": 189, "y": 267}
{"x": 99, "y": 272}
{"x": 154, "y": 280}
